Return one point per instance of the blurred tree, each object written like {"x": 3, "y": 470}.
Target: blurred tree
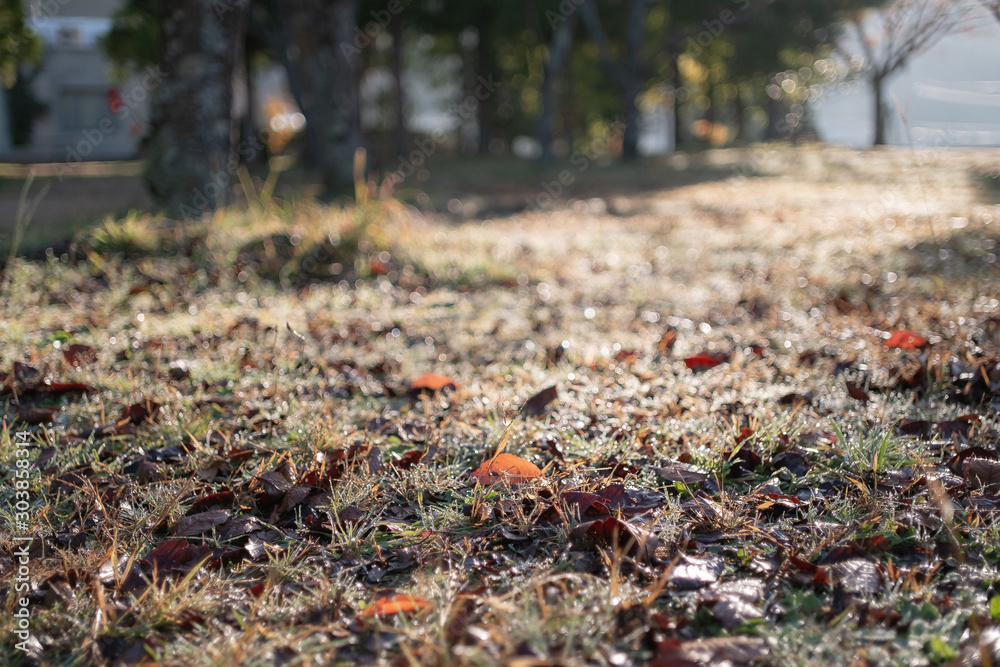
{"x": 18, "y": 44}
{"x": 191, "y": 153}
{"x": 889, "y": 37}
{"x": 321, "y": 47}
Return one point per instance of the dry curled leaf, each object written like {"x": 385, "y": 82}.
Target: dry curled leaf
{"x": 506, "y": 468}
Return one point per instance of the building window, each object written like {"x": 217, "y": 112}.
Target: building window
{"x": 81, "y": 109}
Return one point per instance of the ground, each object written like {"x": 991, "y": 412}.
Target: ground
{"x": 771, "y": 439}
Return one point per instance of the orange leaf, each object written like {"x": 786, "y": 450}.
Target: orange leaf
{"x": 432, "y": 382}
{"x": 506, "y": 468}
{"x": 397, "y": 603}
{"x": 905, "y": 339}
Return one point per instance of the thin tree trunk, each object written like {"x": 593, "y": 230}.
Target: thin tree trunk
{"x": 678, "y": 83}
{"x": 191, "y": 159}
{"x": 401, "y": 138}
{"x": 631, "y": 83}
{"x": 879, "y": 112}
{"x": 485, "y": 70}
{"x": 739, "y": 110}
{"x": 562, "y": 42}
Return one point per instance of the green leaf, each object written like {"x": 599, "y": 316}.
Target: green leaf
{"x": 995, "y": 607}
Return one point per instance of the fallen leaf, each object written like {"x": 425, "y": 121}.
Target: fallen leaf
{"x": 617, "y": 534}
{"x": 78, "y": 354}
{"x": 685, "y": 473}
{"x": 703, "y": 361}
{"x": 196, "y": 524}
{"x": 506, "y": 468}
{"x": 397, "y": 603}
{"x": 856, "y": 392}
{"x": 904, "y": 339}
{"x": 983, "y": 473}
{"x": 34, "y": 416}
{"x": 429, "y": 383}
{"x": 667, "y": 342}
{"x": 535, "y": 406}
{"x": 857, "y": 576}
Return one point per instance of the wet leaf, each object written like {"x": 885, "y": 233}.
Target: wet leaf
{"x": 506, "y": 468}
{"x": 695, "y": 572}
{"x": 904, "y": 339}
{"x": 857, "y": 576}
{"x": 536, "y": 405}
{"x": 197, "y": 524}
{"x": 685, "y": 473}
{"x": 983, "y": 473}
{"x": 617, "y": 534}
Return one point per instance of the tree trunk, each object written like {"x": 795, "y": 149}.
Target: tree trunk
{"x": 485, "y": 71}
{"x": 739, "y": 111}
{"x": 323, "y": 56}
{"x": 191, "y": 160}
{"x": 879, "y": 112}
{"x": 678, "y": 83}
{"x": 631, "y": 82}
{"x": 401, "y": 137}
{"x": 562, "y": 41}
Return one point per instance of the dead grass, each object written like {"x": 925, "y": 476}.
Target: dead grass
{"x": 841, "y": 533}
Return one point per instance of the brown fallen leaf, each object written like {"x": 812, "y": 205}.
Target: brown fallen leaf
{"x": 617, "y": 534}
{"x": 535, "y": 406}
{"x": 34, "y": 416}
{"x": 197, "y": 524}
{"x": 506, "y": 468}
{"x": 856, "y": 392}
{"x": 77, "y": 354}
{"x": 984, "y": 473}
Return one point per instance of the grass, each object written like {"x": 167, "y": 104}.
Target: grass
{"x": 842, "y": 533}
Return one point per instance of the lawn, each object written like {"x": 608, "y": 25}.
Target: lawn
{"x": 739, "y": 406}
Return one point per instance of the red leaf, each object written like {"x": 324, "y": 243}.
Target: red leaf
{"x": 703, "y": 361}
{"x": 905, "y": 339}
{"x": 79, "y": 354}
{"x": 397, "y": 603}
{"x": 506, "y": 468}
